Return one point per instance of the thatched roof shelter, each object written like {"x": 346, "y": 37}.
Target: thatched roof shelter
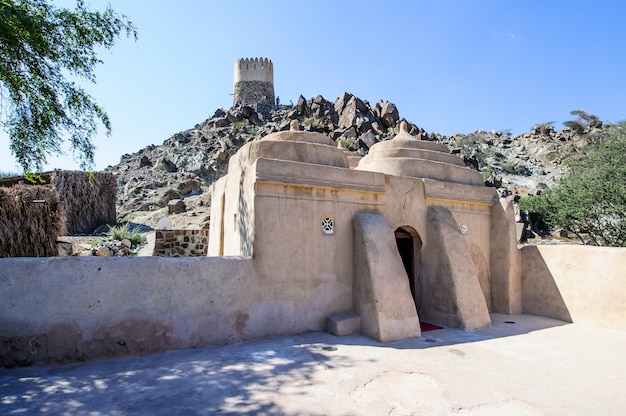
{"x": 88, "y": 199}
{"x": 31, "y": 219}
{"x": 33, "y": 216}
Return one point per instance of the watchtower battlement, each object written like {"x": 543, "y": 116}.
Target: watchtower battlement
{"x": 253, "y": 83}
{"x": 254, "y": 69}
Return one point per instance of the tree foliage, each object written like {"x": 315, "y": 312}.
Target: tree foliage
{"x": 591, "y": 201}
{"x": 42, "y": 49}
{"x": 582, "y": 121}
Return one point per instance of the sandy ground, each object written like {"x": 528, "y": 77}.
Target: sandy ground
{"x": 528, "y": 366}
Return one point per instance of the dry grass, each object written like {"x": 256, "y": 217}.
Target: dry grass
{"x": 32, "y": 217}
{"x": 88, "y": 199}
{"x": 31, "y": 220}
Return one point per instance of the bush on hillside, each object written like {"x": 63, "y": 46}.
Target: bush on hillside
{"x": 591, "y": 201}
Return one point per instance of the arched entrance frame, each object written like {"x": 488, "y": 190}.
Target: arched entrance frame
{"x": 410, "y": 247}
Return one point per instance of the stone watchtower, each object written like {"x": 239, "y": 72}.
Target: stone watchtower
{"x": 254, "y": 83}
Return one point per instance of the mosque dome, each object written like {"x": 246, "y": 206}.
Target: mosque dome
{"x": 406, "y": 155}
{"x": 298, "y": 146}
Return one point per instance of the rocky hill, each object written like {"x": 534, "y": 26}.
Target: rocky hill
{"x": 187, "y": 163}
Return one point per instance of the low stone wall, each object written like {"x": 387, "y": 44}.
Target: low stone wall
{"x": 181, "y": 243}
{"x": 61, "y": 309}
{"x": 579, "y": 284}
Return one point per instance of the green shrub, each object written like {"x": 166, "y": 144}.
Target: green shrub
{"x": 95, "y": 241}
{"x": 486, "y": 173}
{"x": 347, "y": 142}
{"x": 123, "y": 232}
{"x": 591, "y": 201}
{"x": 312, "y": 123}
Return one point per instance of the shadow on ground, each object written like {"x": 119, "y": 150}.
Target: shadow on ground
{"x": 245, "y": 378}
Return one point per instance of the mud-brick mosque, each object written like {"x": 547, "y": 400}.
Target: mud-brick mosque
{"x": 304, "y": 236}
{"x": 307, "y": 237}
{"x": 406, "y": 233}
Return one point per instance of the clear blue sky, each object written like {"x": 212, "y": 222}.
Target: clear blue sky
{"x": 449, "y": 66}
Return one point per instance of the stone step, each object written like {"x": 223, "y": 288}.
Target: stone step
{"x": 344, "y": 323}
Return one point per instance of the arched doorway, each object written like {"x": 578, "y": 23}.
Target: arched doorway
{"x": 410, "y": 249}
{"x": 404, "y": 241}
{"x": 410, "y": 246}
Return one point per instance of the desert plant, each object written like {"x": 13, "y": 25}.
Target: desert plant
{"x": 123, "y": 232}
{"x": 346, "y": 143}
{"x": 582, "y": 121}
{"x": 486, "y": 173}
{"x": 312, "y": 123}
{"x": 508, "y": 166}
{"x": 95, "y": 241}
{"x": 591, "y": 201}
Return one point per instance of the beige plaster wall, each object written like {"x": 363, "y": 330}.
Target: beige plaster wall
{"x": 505, "y": 260}
{"x": 216, "y": 234}
{"x": 471, "y": 207}
{"x": 74, "y": 308}
{"x": 233, "y": 234}
{"x": 579, "y": 284}
{"x": 292, "y": 199}
{"x": 404, "y": 204}
{"x": 293, "y": 256}
{"x": 289, "y": 201}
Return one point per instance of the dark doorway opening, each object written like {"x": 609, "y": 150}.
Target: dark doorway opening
{"x": 404, "y": 241}
{"x": 410, "y": 246}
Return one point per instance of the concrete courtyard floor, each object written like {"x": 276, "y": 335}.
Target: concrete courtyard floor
{"x": 528, "y": 366}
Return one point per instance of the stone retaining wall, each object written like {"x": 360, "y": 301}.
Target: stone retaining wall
{"x": 181, "y": 243}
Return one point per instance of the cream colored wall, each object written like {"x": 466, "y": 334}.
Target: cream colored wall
{"x": 253, "y": 69}
{"x": 505, "y": 260}
{"x": 404, "y": 204}
{"x": 296, "y": 261}
{"x": 580, "y": 284}
{"x": 452, "y": 293}
{"x": 216, "y": 234}
{"x": 236, "y": 223}
{"x": 292, "y": 255}
{"x": 471, "y": 208}
{"x": 72, "y": 308}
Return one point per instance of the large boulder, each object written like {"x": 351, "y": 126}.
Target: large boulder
{"x": 388, "y": 113}
{"x": 301, "y": 106}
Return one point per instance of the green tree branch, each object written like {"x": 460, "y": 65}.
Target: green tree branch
{"x": 39, "y": 106}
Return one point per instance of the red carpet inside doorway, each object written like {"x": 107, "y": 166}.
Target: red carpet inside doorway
{"x": 425, "y": 326}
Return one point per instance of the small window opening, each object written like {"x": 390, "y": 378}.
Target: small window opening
{"x": 328, "y": 227}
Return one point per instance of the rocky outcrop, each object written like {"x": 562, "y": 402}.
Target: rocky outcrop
{"x": 188, "y": 162}
{"x": 527, "y": 163}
